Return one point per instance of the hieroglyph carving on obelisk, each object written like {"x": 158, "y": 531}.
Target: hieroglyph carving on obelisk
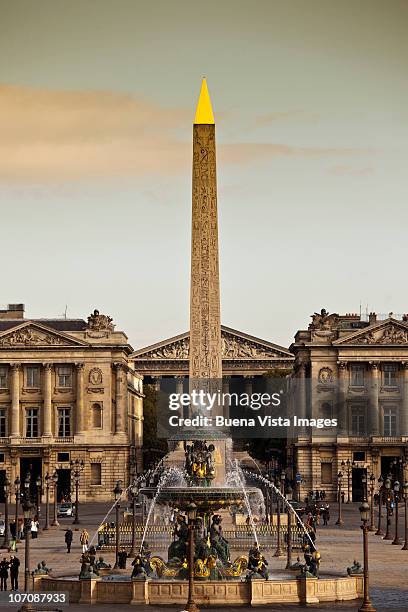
{"x": 205, "y": 323}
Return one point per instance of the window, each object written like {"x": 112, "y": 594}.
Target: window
{"x": 64, "y": 376}
{"x": 32, "y": 423}
{"x": 326, "y": 473}
{"x": 3, "y": 377}
{"x": 390, "y": 422}
{"x": 390, "y": 375}
{"x": 97, "y": 416}
{"x": 359, "y": 456}
{"x": 357, "y": 375}
{"x": 3, "y": 423}
{"x": 326, "y": 410}
{"x": 62, "y": 457}
{"x": 1, "y": 457}
{"x": 96, "y": 473}
{"x": 358, "y": 421}
{"x": 33, "y": 376}
{"x": 64, "y": 422}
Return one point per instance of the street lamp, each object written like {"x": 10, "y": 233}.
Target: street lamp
{"x": 77, "y": 467}
{"x": 6, "y": 487}
{"x": 38, "y": 484}
{"x": 380, "y": 499}
{"x": 47, "y": 479}
{"x": 289, "y": 495}
{"x": 405, "y": 488}
{"x": 134, "y": 491}
{"x": 117, "y": 492}
{"x": 191, "y": 513}
{"x": 364, "y": 482}
{"x": 387, "y": 486}
{"x": 27, "y": 509}
{"x": 372, "y": 487}
{"x": 364, "y": 512}
{"x": 339, "y": 521}
{"x": 396, "y": 539}
{"x": 54, "y": 481}
{"x": 278, "y": 550}
{"x": 17, "y": 493}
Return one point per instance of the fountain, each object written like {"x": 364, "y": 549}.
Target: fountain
{"x": 212, "y": 554}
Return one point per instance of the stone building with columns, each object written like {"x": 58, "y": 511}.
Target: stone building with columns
{"x": 353, "y": 368}
{"x": 68, "y": 390}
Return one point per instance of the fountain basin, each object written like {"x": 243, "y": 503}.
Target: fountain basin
{"x": 207, "y": 499}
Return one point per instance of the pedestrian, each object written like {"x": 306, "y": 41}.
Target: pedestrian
{"x": 342, "y": 497}
{"x": 13, "y": 529}
{"x": 326, "y": 516}
{"x": 14, "y": 569}
{"x": 84, "y": 540}
{"x": 20, "y": 529}
{"x": 4, "y": 566}
{"x": 68, "y": 539}
{"x": 34, "y": 528}
{"x": 122, "y": 556}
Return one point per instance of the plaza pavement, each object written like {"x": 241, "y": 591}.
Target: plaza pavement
{"x": 338, "y": 547}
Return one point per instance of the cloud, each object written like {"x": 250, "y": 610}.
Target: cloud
{"x": 59, "y": 136}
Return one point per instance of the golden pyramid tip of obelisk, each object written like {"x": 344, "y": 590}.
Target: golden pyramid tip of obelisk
{"x": 204, "y": 113}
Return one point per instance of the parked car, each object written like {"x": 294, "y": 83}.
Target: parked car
{"x": 298, "y": 506}
{"x": 65, "y": 509}
{"x": 2, "y": 527}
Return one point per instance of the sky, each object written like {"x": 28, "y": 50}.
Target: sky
{"x": 97, "y": 101}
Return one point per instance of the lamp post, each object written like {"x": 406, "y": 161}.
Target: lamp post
{"x": 6, "y": 488}
{"x": 27, "y": 508}
{"x": 77, "y": 467}
{"x": 191, "y": 513}
{"x": 380, "y": 499}
{"x": 396, "y": 540}
{"x": 47, "y": 479}
{"x": 387, "y": 486}
{"x": 348, "y": 466}
{"x": 366, "y": 606}
{"x": 117, "y": 492}
{"x": 54, "y": 481}
{"x": 364, "y": 482}
{"x": 372, "y": 487}
{"x": 289, "y": 495}
{"x": 134, "y": 491}
{"x": 278, "y": 550}
{"x": 339, "y": 521}
{"x": 405, "y": 488}
{"x": 38, "y": 484}
{"x": 17, "y": 493}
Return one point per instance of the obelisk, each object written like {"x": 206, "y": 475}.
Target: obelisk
{"x": 205, "y": 320}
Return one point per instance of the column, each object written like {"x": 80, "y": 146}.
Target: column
{"x": 47, "y": 391}
{"x": 342, "y": 429}
{"x": 80, "y": 408}
{"x": 404, "y": 404}
{"x": 301, "y": 382}
{"x": 248, "y": 384}
{"x": 121, "y": 397}
{"x": 374, "y": 417}
{"x": 15, "y": 400}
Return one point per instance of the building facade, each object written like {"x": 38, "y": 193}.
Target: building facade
{"x": 68, "y": 391}
{"x": 354, "y": 369}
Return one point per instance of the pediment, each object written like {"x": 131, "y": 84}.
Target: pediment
{"x": 388, "y": 332}
{"x": 235, "y": 345}
{"x": 36, "y": 335}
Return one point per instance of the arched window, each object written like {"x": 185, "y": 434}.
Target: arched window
{"x": 97, "y": 416}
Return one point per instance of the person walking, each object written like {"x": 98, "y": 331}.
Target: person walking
{"x": 34, "y": 528}
{"x": 4, "y": 566}
{"x": 68, "y": 539}
{"x": 14, "y": 569}
{"x": 84, "y": 540}
{"x": 122, "y": 556}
